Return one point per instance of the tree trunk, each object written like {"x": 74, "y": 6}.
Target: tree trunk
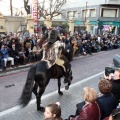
{"x": 11, "y": 10}
{"x": 26, "y": 6}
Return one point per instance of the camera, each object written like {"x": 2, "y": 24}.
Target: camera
{"x": 109, "y": 70}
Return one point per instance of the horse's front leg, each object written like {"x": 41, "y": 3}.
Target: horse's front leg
{"x": 69, "y": 83}
{"x": 59, "y": 85}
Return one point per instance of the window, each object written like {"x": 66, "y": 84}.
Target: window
{"x": 85, "y": 13}
{"x": 72, "y": 14}
{"x": 92, "y": 13}
{"x": 105, "y": 12}
{"x": 75, "y": 14}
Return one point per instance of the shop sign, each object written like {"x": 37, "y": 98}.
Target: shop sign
{"x": 34, "y": 11}
{"x": 111, "y": 23}
{"x": 78, "y": 23}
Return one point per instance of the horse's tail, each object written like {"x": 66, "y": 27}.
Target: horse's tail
{"x": 27, "y": 90}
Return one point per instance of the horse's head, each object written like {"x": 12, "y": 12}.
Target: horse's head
{"x": 68, "y": 52}
{"x": 52, "y": 36}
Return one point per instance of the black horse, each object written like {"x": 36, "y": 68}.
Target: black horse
{"x": 39, "y": 76}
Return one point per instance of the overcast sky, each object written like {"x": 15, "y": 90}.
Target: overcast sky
{"x": 78, "y": 3}
{"x": 4, "y": 4}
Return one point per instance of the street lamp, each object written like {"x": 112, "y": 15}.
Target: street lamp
{"x": 98, "y": 21}
{"x": 21, "y": 25}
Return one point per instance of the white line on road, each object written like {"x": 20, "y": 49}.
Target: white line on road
{"x": 49, "y": 94}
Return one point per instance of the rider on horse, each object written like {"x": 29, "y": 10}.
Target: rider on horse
{"x": 53, "y": 51}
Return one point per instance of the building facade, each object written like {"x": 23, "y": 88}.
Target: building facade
{"x": 103, "y": 17}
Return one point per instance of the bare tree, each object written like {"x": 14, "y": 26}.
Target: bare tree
{"x": 53, "y": 8}
{"x": 26, "y": 6}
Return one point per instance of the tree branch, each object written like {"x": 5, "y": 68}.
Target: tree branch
{"x": 52, "y": 10}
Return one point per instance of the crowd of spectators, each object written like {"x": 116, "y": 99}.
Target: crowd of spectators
{"x": 102, "y": 106}
{"x": 84, "y": 43}
{"x": 21, "y": 48}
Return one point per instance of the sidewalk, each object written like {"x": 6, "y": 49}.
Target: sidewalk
{"x": 68, "y": 102}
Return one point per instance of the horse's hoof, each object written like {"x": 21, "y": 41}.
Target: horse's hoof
{"x": 67, "y": 87}
{"x": 60, "y": 93}
{"x": 42, "y": 109}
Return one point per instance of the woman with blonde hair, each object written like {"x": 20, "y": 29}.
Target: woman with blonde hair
{"x": 91, "y": 110}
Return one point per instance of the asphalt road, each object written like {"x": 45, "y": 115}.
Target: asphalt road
{"x": 11, "y": 86}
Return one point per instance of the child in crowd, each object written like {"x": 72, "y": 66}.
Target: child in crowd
{"x": 53, "y": 112}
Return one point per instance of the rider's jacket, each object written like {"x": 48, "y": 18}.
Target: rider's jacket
{"x": 53, "y": 52}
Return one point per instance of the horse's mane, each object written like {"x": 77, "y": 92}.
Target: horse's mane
{"x": 68, "y": 55}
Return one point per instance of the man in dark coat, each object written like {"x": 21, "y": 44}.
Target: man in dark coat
{"x": 107, "y": 102}
{"x": 115, "y": 77}
{"x": 15, "y": 54}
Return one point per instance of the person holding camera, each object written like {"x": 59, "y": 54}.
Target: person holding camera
{"x": 114, "y": 77}
{"x": 6, "y": 57}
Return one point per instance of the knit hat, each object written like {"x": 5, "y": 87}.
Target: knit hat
{"x": 105, "y": 86}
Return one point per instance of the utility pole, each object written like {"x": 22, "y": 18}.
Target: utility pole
{"x": 105, "y": 1}
{"x": 11, "y": 10}
{"x": 85, "y": 12}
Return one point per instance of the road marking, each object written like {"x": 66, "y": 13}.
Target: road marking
{"x": 49, "y": 94}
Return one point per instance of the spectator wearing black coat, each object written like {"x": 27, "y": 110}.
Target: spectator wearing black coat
{"x": 15, "y": 54}
{"x": 107, "y": 102}
{"x": 115, "y": 78}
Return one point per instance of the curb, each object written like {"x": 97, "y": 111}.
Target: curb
{"x": 15, "y": 70}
